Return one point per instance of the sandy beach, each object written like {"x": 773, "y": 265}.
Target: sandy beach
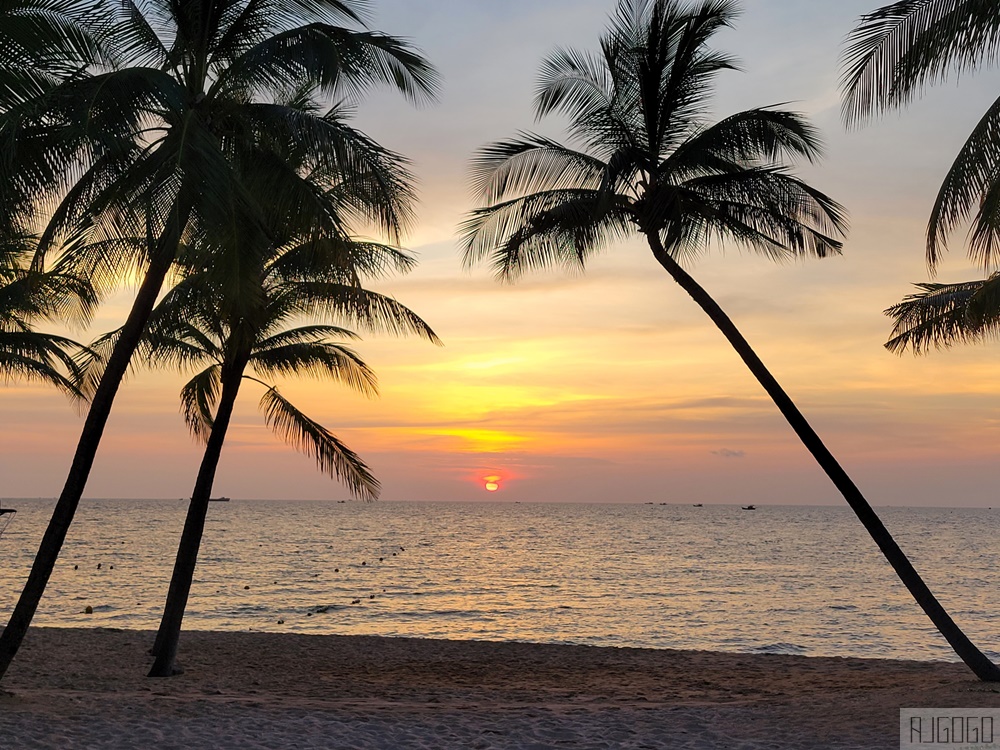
{"x": 85, "y": 688}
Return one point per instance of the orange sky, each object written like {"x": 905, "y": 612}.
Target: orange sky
{"x": 611, "y": 386}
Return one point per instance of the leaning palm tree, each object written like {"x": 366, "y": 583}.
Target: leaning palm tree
{"x": 649, "y": 163}
{"x": 192, "y": 100}
{"x": 197, "y": 325}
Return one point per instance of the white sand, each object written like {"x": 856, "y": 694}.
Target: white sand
{"x": 79, "y": 688}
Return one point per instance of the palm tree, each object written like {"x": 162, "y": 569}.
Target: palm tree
{"x": 197, "y": 325}
{"x": 649, "y": 163}
{"x": 194, "y": 103}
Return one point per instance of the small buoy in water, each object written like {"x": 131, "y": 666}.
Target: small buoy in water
{"x": 98, "y": 566}
{"x": 88, "y": 610}
{"x": 371, "y": 596}
{"x": 309, "y": 614}
{"x": 356, "y": 601}
{"x": 336, "y": 570}
{"x": 364, "y": 562}
{"x": 76, "y": 567}
{"x": 112, "y": 567}
{"x": 246, "y": 588}
{"x": 281, "y": 622}
{"x": 402, "y": 549}
{"x": 393, "y": 554}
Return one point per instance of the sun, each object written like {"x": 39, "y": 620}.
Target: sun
{"x": 492, "y": 483}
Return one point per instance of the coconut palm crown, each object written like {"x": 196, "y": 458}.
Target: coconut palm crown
{"x": 197, "y": 326}
{"x": 645, "y": 160}
{"x": 649, "y": 161}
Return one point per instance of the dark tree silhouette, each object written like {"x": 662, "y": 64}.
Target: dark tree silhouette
{"x": 650, "y": 164}
{"x": 188, "y": 105}
{"x": 196, "y": 325}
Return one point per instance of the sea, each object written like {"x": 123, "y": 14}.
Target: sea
{"x": 778, "y": 579}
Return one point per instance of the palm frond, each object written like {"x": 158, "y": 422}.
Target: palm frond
{"x": 896, "y": 51}
{"x": 374, "y": 312}
{"x": 767, "y": 209}
{"x": 198, "y": 399}
{"x": 529, "y": 164}
{"x": 339, "y": 60}
{"x": 311, "y": 438}
{"x": 47, "y": 358}
{"x": 556, "y": 227}
{"x": 339, "y": 259}
{"x": 319, "y": 359}
{"x": 764, "y": 135}
{"x": 941, "y": 315}
{"x": 970, "y": 189}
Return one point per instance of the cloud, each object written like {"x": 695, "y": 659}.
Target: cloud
{"x": 728, "y": 453}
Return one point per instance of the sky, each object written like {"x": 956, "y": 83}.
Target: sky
{"x": 607, "y": 386}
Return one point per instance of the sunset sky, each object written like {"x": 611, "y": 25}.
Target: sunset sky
{"x": 609, "y": 386}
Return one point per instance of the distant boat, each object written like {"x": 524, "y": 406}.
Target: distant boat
{"x": 749, "y": 507}
{"x": 218, "y": 499}
{"x": 699, "y": 505}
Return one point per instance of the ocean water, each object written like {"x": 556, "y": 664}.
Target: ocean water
{"x": 785, "y": 579}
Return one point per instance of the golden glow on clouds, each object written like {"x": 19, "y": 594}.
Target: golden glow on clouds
{"x": 610, "y": 385}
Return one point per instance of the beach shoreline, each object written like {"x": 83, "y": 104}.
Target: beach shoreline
{"x": 86, "y": 688}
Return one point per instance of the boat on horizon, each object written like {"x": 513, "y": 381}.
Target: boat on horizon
{"x": 218, "y": 499}
{"x": 749, "y": 507}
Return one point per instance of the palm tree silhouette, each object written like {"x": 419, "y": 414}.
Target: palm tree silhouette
{"x": 196, "y": 326}
{"x": 649, "y": 163}
{"x": 191, "y": 105}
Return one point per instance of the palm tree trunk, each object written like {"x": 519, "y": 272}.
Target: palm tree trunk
{"x": 168, "y": 635}
{"x": 90, "y": 439}
{"x": 975, "y": 659}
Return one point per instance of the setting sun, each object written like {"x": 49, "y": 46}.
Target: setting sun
{"x": 492, "y": 483}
